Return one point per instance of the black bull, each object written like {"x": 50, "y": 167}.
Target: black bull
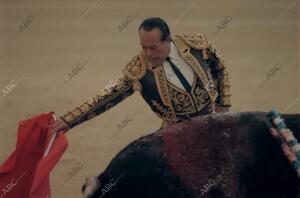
{"x": 216, "y": 155}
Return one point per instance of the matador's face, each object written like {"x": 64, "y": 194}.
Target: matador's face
{"x": 154, "y": 49}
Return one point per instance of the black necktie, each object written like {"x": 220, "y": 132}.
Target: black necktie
{"x": 180, "y": 76}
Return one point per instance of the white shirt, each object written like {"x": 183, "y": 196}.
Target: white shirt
{"x": 184, "y": 68}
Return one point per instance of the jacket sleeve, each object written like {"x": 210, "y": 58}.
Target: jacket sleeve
{"x": 220, "y": 77}
{"x": 110, "y": 96}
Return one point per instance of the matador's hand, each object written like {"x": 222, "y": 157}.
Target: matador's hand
{"x": 59, "y": 126}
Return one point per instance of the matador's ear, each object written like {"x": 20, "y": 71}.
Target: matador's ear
{"x": 168, "y": 39}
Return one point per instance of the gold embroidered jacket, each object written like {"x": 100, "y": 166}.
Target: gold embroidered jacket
{"x": 170, "y": 103}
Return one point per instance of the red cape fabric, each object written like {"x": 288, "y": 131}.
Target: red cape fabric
{"x": 25, "y": 174}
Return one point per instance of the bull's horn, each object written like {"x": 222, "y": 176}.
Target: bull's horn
{"x": 90, "y": 187}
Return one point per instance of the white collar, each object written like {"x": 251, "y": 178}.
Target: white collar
{"x": 173, "y": 51}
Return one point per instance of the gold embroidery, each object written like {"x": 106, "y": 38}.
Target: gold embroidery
{"x": 164, "y": 113}
{"x": 76, "y": 112}
{"x": 84, "y": 107}
{"x": 182, "y": 101}
{"x": 103, "y": 100}
{"x": 192, "y": 61}
{"x": 161, "y": 83}
{"x": 194, "y": 82}
{"x": 201, "y": 96}
{"x": 222, "y": 78}
{"x": 225, "y": 90}
{"x": 196, "y": 41}
{"x": 69, "y": 117}
{"x": 136, "y": 68}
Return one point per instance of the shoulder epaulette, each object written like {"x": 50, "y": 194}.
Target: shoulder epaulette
{"x": 196, "y": 41}
{"x": 135, "y": 69}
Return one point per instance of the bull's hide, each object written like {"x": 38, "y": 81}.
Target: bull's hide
{"x": 216, "y": 155}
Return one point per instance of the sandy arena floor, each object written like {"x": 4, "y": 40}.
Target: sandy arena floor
{"x": 43, "y": 41}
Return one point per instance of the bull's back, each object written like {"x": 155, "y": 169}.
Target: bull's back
{"x": 221, "y": 155}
